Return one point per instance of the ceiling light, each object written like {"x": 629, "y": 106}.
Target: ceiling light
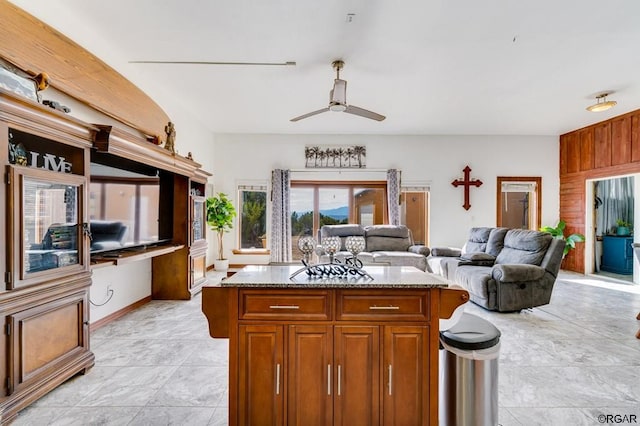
{"x": 602, "y": 104}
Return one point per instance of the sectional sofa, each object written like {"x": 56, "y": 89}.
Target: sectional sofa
{"x": 385, "y": 245}
{"x": 502, "y": 269}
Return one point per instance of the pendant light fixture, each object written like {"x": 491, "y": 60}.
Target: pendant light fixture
{"x": 602, "y": 104}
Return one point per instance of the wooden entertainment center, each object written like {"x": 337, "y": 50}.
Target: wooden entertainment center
{"x": 46, "y": 157}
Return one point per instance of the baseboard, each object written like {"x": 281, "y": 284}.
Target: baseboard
{"x": 117, "y": 314}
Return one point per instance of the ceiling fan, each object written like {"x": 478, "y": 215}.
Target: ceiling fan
{"x": 338, "y": 100}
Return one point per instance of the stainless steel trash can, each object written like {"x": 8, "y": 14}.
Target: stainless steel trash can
{"x": 468, "y": 388}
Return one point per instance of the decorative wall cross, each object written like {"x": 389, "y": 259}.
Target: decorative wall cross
{"x": 466, "y": 182}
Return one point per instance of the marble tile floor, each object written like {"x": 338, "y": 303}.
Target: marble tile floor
{"x": 567, "y": 363}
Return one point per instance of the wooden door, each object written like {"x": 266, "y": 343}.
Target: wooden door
{"x": 356, "y": 376}
{"x": 261, "y": 373}
{"x": 405, "y": 392}
{"x": 309, "y": 387}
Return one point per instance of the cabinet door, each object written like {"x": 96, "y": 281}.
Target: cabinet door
{"x": 198, "y": 219}
{"x": 309, "y": 390}
{"x": 261, "y": 372}
{"x": 198, "y": 271}
{"x": 357, "y": 376}
{"x": 46, "y": 216}
{"x": 405, "y": 390}
{"x": 46, "y": 338}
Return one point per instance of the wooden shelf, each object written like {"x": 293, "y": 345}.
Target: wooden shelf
{"x": 131, "y": 255}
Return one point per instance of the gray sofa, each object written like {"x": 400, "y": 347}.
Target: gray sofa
{"x": 385, "y": 244}
{"x": 502, "y": 269}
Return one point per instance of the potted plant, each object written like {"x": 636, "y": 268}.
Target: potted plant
{"x": 558, "y": 232}
{"x": 623, "y": 227}
{"x": 220, "y": 214}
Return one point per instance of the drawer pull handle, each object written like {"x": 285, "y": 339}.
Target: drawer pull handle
{"x": 390, "y": 378}
{"x": 277, "y": 379}
{"x": 328, "y": 379}
{"x": 339, "y": 379}
{"x": 284, "y": 307}
{"x": 384, "y": 308}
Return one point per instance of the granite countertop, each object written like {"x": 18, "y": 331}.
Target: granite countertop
{"x": 266, "y": 276}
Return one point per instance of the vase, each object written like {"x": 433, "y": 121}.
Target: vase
{"x": 221, "y": 264}
{"x": 622, "y": 230}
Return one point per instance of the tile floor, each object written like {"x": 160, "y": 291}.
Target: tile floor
{"x": 566, "y": 363}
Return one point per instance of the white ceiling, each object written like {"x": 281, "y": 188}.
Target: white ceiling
{"x": 431, "y": 66}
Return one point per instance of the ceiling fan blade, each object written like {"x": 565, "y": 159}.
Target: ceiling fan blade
{"x": 288, "y": 63}
{"x": 310, "y": 114}
{"x": 364, "y": 113}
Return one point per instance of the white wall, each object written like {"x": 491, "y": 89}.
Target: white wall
{"x": 435, "y": 159}
{"x": 130, "y": 283}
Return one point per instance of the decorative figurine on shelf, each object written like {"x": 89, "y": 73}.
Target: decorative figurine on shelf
{"x": 170, "y": 130}
{"x": 42, "y": 81}
{"x": 189, "y": 156}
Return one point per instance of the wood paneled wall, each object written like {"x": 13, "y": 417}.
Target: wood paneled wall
{"x": 605, "y": 149}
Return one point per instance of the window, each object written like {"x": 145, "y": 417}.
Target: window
{"x": 519, "y": 202}
{"x": 314, "y": 204}
{"x": 252, "y": 216}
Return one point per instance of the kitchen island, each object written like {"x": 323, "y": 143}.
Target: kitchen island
{"x": 324, "y": 351}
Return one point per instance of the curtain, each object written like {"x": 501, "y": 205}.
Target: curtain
{"x": 393, "y": 196}
{"x": 613, "y": 201}
{"x": 280, "y": 244}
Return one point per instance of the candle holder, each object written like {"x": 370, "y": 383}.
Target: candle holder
{"x": 350, "y": 269}
{"x": 355, "y": 245}
{"x": 331, "y": 245}
{"x": 307, "y": 245}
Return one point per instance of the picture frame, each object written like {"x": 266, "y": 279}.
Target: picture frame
{"x": 335, "y": 156}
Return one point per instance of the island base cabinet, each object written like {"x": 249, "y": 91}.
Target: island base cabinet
{"x": 405, "y": 390}
{"x": 261, "y": 366}
{"x": 333, "y": 375}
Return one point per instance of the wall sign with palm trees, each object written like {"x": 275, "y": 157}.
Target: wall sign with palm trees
{"x": 335, "y": 156}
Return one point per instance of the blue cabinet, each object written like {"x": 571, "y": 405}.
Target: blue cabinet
{"x": 617, "y": 254}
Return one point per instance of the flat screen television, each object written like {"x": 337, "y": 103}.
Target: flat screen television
{"x": 124, "y": 205}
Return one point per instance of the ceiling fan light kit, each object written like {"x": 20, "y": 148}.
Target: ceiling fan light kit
{"x": 602, "y": 104}
{"x": 338, "y": 100}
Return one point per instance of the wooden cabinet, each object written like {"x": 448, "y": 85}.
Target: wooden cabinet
{"x": 331, "y": 356}
{"x": 405, "y": 392}
{"x": 44, "y": 296}
{"x": 197, "y": 238}
{"x": 333, "y": 374}
{"x": 260, "y": 382}
{"x": 44, "y": 337}
{"x": 181, "y": 274}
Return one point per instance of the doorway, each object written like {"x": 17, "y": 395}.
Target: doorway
{"x": 414, "y": 213}
{"x": 612, "y": 240}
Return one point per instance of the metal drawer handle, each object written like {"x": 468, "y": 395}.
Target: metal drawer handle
{"x": 284, "y": 307}
{"x": 277, "y": 379}
{"x": 384, "y": 308}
